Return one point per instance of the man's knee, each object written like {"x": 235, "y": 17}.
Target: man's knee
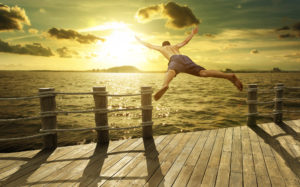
{"x": 173, "y": 72}
{"x": 203, "y": 73}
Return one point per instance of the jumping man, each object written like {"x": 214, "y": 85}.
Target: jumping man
{"x": 180, "y": 63}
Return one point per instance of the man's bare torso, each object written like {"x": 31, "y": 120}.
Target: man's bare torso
{"x": 169, "y": 50}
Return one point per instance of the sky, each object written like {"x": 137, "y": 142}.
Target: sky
{"x": 99, "y": 34}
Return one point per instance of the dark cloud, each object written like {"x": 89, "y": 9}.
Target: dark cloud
{"x": 73, "y": 35}
{"x": 254, "y": 51}
{"x": 283, "y": 28}
{"x": 64, "y": 52}
{"x": 35, "y": 49}
{"x": 287, "y": 35}
{"x": 177, "y": 16}
{"x": 148, "y": 13}
{"x": 12, "y": 18}
{"x": 289, "y": 32}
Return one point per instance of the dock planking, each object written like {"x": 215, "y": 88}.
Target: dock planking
{"x": 262, "y": 155}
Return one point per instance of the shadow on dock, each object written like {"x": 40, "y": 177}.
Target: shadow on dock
{"x": 26, "y": 170}
{"x": 151, "y": 154}
{"x": 291, "y": 162}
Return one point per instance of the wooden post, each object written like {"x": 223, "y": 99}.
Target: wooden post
{"x": 252, "y": 104}
{"x": 48, "y": 104}
{"x": 101, "y": 118}
{"x": 278, "y": 103}
{"x": 146, "y": 102}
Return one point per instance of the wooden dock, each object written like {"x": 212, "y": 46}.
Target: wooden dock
{"x": 264, "y": 155}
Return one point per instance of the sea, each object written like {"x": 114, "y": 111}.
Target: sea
{"x": 190, "y": 104}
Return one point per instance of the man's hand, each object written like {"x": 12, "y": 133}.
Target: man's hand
{"x": 195, "y": 30}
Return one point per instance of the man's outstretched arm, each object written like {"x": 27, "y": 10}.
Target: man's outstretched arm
{"x": 155, "y": 47}
{"x": 186, "y": 41}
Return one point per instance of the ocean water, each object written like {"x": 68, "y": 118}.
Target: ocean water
{"x": 191, "y": 103}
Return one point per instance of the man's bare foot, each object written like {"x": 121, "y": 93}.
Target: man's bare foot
{"x": 237, "y": 83}
{"x": 160, "y": 93}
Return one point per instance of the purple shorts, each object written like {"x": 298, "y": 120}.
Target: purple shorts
{"x": 182, "y": 63}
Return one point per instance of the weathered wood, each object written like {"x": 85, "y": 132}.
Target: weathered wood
{"x": 262, "y": 155}
{"x": 209, "y": 178}
{"x": 200, "y": 167}
{"x": 48, "y": 104}
{"x": 146, "y": 102}
{"x": 188, "y": 167}
{"x": 101, "y": 119}
{"x": 252, "y": 106}
{"x": 261, "y": 172}
{"x": 278, "y": 103}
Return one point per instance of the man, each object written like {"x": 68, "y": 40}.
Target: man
{"x": 180, "y": 63}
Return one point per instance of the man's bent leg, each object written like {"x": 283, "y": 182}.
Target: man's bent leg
{"x": 168, "y": 78}
{"x": 229, "y": 76}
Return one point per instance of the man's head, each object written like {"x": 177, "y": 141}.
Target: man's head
{"x": 166, "y": 43}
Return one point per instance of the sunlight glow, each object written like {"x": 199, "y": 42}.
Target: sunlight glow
{"x": 120, "y": 48}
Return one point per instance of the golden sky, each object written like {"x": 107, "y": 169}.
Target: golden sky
{"x": 98, "y": 34}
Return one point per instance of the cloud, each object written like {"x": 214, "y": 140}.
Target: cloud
{"x": 254, "y": 51}
{"x": 293, "y": 55}
{"x": 64, "y": 52}
{"x": 33, "y": 31}
{"x": 73, "y": 35}
{"x": 35, "y": 49}
{"x": 296, "y": 26}
{"x": 177, "y": 16}
{"x": 288, "y": 35}
{"x": 289, "y": 32}
{"x": 12, "y": 18}
{"x": 283, "y": 28}
{"x": 148, "y": 13}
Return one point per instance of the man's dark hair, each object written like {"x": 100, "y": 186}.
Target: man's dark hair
{"x": 166, "y": 43}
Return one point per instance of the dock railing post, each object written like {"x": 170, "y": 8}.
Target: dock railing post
{"x": 252, "y": 104}
{"x": 278, "y": 103}
{"x": 146, "y": 102}
{"x": 48, "y": 104}
{"x": 101, "y": 119}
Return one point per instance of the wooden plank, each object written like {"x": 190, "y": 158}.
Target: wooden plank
{"x": 34, "y": 163}
{"x": 173, "y": 172}
{"x": 249, "y": 176}
{"x": 288, "y": 175}
{"x": 289, "y": 143}
{"x": 210, "y": 175}
{"x": 289, "y": 152}
{"x": 121, "y": 174}
{"x": 72, "y": 166}
{"x": 225, "y": 162}
{"x": 100, "y": 162}
{"x": 200, "y": 167}
{"x": 236, "y": 179}
{"x": 262, "y": 176}
{"x": 188, "y": 167}
{"x": 266, "y": 149}
{"x": 40, "y": 171}
{"x": 14, "y": 161}
{"x": 224, "y": 169}
{"x": 150, "y": 149}
{"x": 228, "y": 139}
{"x": 138, "y": 169}
{"x": 236, "y": 165}
{"x": 166, "y": 161}
{"x": 273, "y": 170}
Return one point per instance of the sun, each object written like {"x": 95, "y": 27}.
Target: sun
{"x": 120, "y": 48}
